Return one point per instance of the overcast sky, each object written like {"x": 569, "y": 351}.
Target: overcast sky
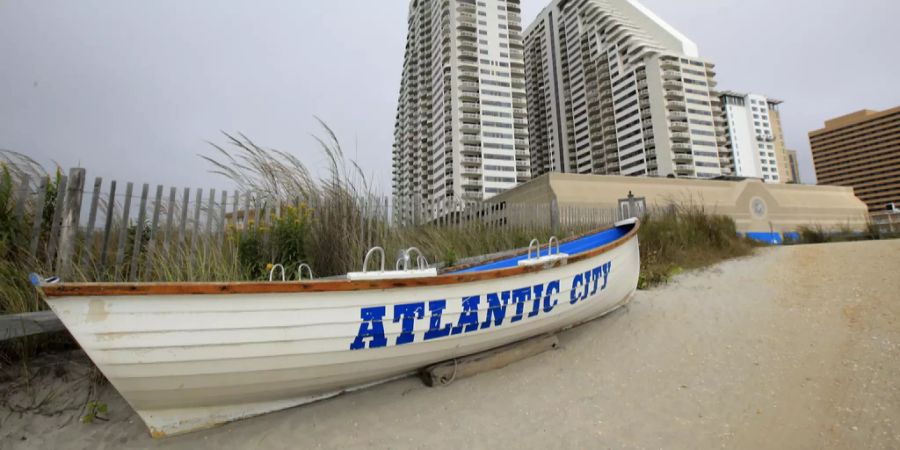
{"x": 132, "y": 90}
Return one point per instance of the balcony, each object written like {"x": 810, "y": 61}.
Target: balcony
{"x": 469, "y": 106}
{"x": 470, "y": 117}
{"x": 684, "y": 169}
{"x": 474, "y": 150}
{"x": 681, "y": 137}
{"x": 472, "y": 195}
{"x": 674, "y": 95}
{"x": 468, "y": 54}
{"x": 471, "y": 171}
{"x": 672, "y": 84}
{"x": 669, "y": 65}
{"x": 683, "y": 158}
{"x": 671, "y": 75}
{"x": 467, "y": 128}
{"x": 678, "y": 126}
{"x": 468, "y": 86}
{"x": 677, "y": 105}
{"x": 471, "y": 139}
{"x": 681, "y": 147}
{"x": 471, "y": 160}
{"x": 467, "y": 96}
{"x": 521, "y": 152}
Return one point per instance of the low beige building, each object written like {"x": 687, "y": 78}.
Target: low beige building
{"x": 755, "y": 206}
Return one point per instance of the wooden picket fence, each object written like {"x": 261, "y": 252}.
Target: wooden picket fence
{"x": 105, "y": 226}
{"x": 111, "y": 227}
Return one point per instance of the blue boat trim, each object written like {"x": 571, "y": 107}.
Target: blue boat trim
{"x": 574, "y": 247}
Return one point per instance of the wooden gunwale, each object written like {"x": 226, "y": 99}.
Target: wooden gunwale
{"x": 256, "y": 287}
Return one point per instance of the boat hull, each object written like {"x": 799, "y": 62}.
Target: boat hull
{"x": 187, "y": 362}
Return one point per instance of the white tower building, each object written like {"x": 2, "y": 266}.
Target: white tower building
{"x": 461, "y": 129}
{"x": 753, "y": 136}
{"x": 612, "y": 89}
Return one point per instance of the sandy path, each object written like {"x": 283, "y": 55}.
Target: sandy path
{"x": 797, "y": 347}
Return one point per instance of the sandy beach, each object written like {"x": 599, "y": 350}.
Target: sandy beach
{"x": 796, "y": 347}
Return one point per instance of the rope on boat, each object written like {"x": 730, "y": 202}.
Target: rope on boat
{"x": 452, "y": 375}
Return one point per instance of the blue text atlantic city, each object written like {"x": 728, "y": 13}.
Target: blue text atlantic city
{"x": 544, "y": 298}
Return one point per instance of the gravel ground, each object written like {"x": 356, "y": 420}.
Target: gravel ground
{"x": 796, "y": 347}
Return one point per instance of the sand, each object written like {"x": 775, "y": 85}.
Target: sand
{"x": 796, "y": 347}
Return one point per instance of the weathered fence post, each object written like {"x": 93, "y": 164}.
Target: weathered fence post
{"x": 87, "y": 249}
{"x": 107, "y": 229}
{"x": 138, "y": 234}
{"x": 223, "y": 207}
{"x": 170, "y": 216}
{"x": 182, "y": 228}
{"x": 195, "y": 230}
{"x": 554, "y": 216}
{"x": 69, "y": 225}
{"x": 38, "y": 216}
{"x": 55, "y": 221}
{"x": 123, "y": 229}
{"x": 151, "y": 245}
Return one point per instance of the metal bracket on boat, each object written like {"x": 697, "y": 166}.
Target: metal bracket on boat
{"x": 402, "y": 269}
{"x": 537, "y": 244}
{"x": 538, "y": 259}
{"x": 272, "y": 272}
{"x": 365, "y": 267}
{"x": 550, "y": 245}
{"x": 300, "y": 271}
{"x": 406, "y": 256}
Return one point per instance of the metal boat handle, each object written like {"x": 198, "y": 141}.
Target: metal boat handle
{"x": 537, "y": 243}
{"x": 550, "y": 246}
{"x": 406, "y": 256}
{"x": 300, "y": 271}
{"x": 368, "y": 254}
{"x": 272, "y": 272}
{"x": 421, "y": 262}
{"x": 404, "y": 259}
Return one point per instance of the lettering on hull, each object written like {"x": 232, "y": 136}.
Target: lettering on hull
{"x": 508, "y": 306}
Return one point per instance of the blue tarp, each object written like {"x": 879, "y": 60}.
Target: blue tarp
{"x": 768, "y": 238}
{"x": 572, "y": 248}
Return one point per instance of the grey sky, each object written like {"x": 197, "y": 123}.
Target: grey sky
{"x": 131, "y": 90}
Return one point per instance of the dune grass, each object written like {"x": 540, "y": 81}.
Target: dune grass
{"x": 686, "y": 238}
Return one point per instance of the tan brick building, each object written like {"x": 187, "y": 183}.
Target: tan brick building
{"x": 861, "y": 150}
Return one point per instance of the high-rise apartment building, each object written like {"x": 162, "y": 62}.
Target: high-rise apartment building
{"x": 861, "y": 150}
{"x": 612, "y": 89}
{"x": 755, "y": 137}
{"x": 461, "y": 127}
